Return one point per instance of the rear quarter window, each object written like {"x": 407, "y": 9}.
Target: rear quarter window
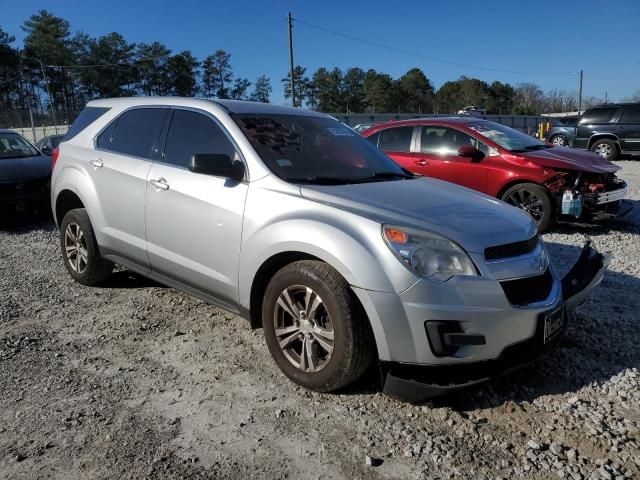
{"x": 598, "y": 115}
{"x": 86, "y": 118}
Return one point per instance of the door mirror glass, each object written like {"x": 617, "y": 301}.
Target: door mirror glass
{"x": 217, "y": 164}
{"x": 46, "y": 149}
{"x": 467, "y": 151}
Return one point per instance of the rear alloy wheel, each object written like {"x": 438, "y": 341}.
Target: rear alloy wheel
{"x": 315, "y": 329}
{"x": 534, "y": 200}
{"x": 605, "y": 148}
{"x": 80, "y": 250}
{"x": 559, "y": 140}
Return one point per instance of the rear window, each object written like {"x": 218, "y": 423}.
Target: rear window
{"x": 86, "y": 118}
{"x": 631, "y": 114}
{"x": 396, "y": 139}
{"x": 137, "y": 132}
{"x": 598, "y": 115}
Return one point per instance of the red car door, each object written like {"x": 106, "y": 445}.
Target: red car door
{"x": 397, "y": 143}
{"x": 437, "y": 156}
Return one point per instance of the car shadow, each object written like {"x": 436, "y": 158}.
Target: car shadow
{"x": 601, "y": 341}
{"x": 627, "y": 223}
{"x": 28, "y": 222}
{"x": 123, "y": 278}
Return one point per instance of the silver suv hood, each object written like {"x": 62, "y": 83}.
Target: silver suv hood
{"x": 472, "y": 219}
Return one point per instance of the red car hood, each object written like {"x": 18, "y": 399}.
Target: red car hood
{"x": 571, "y": 159}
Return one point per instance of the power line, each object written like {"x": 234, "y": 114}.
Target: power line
{"x": 426, "y": 57}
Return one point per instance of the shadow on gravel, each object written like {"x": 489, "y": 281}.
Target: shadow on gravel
{"x": 127, "y": 279}
{"x": 601, "y": 341}
{"x": 27, "y": 223}
{"x": 628, "y": 223}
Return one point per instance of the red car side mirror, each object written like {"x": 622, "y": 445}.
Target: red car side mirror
{"x": 467, "y": 151}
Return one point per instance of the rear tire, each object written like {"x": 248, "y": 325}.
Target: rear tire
{"x": 315, "y": 328}
{"x": 605, "y": 148}
{"x": 559, "y": 140}
{"x": 80, "y": 250}
{"x": 533, "y": 199}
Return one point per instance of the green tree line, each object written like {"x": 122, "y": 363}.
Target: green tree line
{"x": 68, "y": 69}
{"x": 75, "y": 68}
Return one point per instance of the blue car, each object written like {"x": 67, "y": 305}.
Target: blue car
{"x": 563, "y": 132}
{"x": 25, "y": 177}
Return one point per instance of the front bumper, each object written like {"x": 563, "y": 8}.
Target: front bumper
{"x": 512, "y": 336}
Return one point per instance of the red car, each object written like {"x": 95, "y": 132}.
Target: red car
{"x": 545, "y": 180}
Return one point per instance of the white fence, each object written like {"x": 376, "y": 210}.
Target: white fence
{"x": 36, "y": 133}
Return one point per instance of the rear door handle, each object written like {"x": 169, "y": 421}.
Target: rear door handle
{"x": 96, "y": 162}
{"x": 422, "y": 163}
{"x": 160, "y": 184}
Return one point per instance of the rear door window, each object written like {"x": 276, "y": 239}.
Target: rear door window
{"x": 192, "y": 132}
{"x": 137, "y": 132}
{"x": 374, "y": 138}
{"x": 630, "y": 115}
{"x": 396, "y": 139}
{"x": 86, "y": 118}
{"x": 598, "y": 115}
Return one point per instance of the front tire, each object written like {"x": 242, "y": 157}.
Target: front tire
{"x": 315, "y": 328}
{"x": 605, "y": 148}
{"x": 80, "y": 250}
{"x": 533, "y": 199}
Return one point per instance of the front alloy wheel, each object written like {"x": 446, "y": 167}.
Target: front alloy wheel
{"x": 315, "y": 328}
{"x": 534, "y": 200}
{"x": 303, "y": 328}
{"x": 559, "y": 141}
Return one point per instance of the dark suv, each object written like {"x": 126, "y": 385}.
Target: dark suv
{"x": 610, "y": 129}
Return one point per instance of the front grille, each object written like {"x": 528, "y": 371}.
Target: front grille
{"x": 525, "y": 291}
{"x": 511, "y": 249}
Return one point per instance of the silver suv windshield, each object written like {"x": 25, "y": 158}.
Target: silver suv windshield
{"x": 508, "y": 138}
{"x": 310, "y": 149}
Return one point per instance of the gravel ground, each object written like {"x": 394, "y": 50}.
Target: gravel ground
{"x": 137, "y": 380}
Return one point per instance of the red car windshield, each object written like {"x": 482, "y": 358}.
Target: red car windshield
{"x": 507, "y": 137}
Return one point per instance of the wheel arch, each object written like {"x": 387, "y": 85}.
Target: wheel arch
{"x": 66, "y": 200}
{"x": 515, "y": 182}
{"x": 604, "y": 136}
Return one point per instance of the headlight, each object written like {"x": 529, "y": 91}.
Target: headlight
{"x": 428, "y": 254}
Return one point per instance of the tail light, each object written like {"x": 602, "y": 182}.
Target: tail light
{"x": 54, "y": 157}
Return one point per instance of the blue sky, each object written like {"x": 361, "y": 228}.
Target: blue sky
{"x": 542, "y": 37}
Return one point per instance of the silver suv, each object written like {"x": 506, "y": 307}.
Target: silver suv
{"x": 290, "y": 219}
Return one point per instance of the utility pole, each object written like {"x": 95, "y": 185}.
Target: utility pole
{"x": 580, "y": 94}
{"x": 51, "y": 105}
{"x": 293, "y": 88}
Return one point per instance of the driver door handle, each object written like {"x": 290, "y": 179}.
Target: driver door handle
{"x": 422, "y": 163}
{"x": 96, "y": 162}
{"x": 160, "y": 184}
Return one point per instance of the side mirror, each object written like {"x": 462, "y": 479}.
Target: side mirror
{"x": 218, "y": 165}
{"x": 46, "y": 150}
{"x": 467, "y": 151}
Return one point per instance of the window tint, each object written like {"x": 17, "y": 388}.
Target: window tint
{"x": 447, "y": 141}
{"x": 104, "y": 139}
{"x": 396, "y": 139}
{"x": 374, "y": 138}
{"x": 86, "y": 118}
{"x": 137, "y": 132}
{"x": 631, "y": 114}
{"x": 598, "y": 115}
{"x": 192, "y": 132}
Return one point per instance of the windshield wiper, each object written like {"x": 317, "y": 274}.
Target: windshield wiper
{"x": 389, "y": 176}
{"x": 320, "y": 180}
{"x": 537, "y": 147}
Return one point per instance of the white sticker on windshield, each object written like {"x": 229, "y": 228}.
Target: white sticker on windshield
{"x": 284, "y": 162}
{"x": 341, "y": 132}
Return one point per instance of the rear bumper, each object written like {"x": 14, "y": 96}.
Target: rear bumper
{"x": 420, "y": 382}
